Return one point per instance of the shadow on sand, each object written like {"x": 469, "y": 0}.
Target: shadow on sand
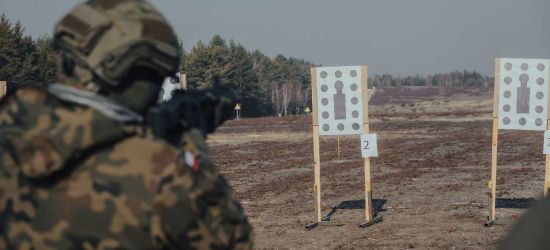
{"x": 377, "y": 205}
{"x": 515, "y": 203}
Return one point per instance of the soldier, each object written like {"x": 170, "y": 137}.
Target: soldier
{"x": 78, "y": 171}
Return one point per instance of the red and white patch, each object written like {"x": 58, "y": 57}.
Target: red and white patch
{"x": 191, "y": 161}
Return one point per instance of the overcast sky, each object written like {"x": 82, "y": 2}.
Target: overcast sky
{"x": 400, "y": 37}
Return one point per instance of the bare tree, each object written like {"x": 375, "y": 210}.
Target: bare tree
{"x": 387, "y": 78}
{"x": 277, "y": 99}
{"x": 377, "y": 80}
{"x": 298, "y": 99}
{"x": 307, "y": 95}
{"x": 286, "y": 93}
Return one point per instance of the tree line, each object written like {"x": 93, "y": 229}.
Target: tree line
{"x": 24, "y": 60}
{"x": 268, "y": 87}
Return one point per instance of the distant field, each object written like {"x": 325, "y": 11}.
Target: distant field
{"x": 417, "y": 94}
{"x": 421, "y": 99}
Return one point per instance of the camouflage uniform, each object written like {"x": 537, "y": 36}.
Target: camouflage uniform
{"x": 72, "y": 176}
{"x": 532, "y": 230}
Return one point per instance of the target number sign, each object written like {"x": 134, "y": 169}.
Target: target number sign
{"x": 339, "y": 100}
{"x": 369, "y": 147}
{"x": 523, "y": 94}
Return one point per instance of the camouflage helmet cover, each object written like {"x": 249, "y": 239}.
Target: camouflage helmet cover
{"x": 109, "y": 37}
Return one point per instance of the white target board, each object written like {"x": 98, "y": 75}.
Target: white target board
{"x": 523, "y": 94}
{"x": 170, "y": 84}
{"x": 339, "y": 101}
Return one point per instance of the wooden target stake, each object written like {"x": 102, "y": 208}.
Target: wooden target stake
{"x": 316, "y": 154}
{"x": 338, "y": 147}
{"x": 547, "y": 167}
{"x": 492, "y": 184}
{"x": 368, "y": 185}
{"x": 3, "y": 88}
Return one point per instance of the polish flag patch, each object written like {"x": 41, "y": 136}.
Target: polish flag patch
{"x": 191, "y": 161}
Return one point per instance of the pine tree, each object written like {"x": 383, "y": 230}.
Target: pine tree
{"x": 18, "y": 55}
{"x": 254, "y": 101}
{"x": 9, "y": 60}
{"x": 195, "y": 66}
{"x": 266, "y": 86}
{"x": 47, "y": 59}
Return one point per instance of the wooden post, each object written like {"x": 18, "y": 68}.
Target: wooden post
{"x": 3, "y": 88}
{"x": 338, "y": 147}
{"x": 316, "y": 154}
{"x": 368, "y": 185}
{"x": 493, "y": 182}
{"x": 183, "y": 81}
{"x": 547, "y": 171}
{"x": 317, "y": 170}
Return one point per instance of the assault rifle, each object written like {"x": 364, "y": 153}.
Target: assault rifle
{"x": 201, "y": 109}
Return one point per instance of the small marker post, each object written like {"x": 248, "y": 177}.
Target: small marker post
{"x": 237, "y": 108}
{"x": 3, "y": 88}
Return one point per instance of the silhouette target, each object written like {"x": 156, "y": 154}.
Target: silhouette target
{"x": 523, "y": 94}
{"x": 339, "y": 100}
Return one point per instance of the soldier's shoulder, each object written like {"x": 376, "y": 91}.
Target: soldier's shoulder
{"x": 139, "y": 155}
{"x": 140, "y": 146}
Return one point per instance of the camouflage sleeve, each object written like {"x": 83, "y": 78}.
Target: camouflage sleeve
{"x": 41, "y": 134}
{"x": 221, "y": 223}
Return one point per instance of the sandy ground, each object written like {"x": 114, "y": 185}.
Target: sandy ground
{"x": 429, "y": 181}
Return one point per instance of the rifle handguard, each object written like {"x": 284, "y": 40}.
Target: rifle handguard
{"x": 203, "y": 109}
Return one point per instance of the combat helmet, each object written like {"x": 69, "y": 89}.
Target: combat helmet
{"x": 103, "y": 40}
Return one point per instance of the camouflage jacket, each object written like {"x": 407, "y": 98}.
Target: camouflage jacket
{"x": 73, "y": 178}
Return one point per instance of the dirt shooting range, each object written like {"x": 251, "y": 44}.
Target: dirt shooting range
{"x": 520, "y": 103}
{"x": 340, "y": 107}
